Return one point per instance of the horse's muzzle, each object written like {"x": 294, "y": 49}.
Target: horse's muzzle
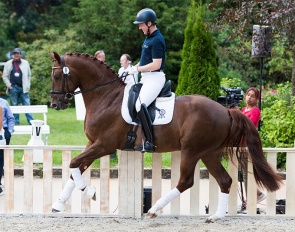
{"x": 58, "y": 105}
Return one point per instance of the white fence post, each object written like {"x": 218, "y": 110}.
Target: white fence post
{"x": 233, "y": 172}
{"x": 130, "y": 184}
{"x": 105, "y": 184}
{"x": 47, "y": 181}
{"x": 9, "y": 181}
{"x": 290, "y": 184}
{"x": 271, "y": 196}
{"x": 156, "y": 178}
{"x": 195, "y": 192}
{"x": 28, "y": 181}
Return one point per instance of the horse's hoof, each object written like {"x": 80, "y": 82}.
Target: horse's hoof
{"x": 55, "y": 211}
{"x": 150, "y": 215}
{"x": 58, "y": 206}
{"x": 208, "y": 220}
{"x": 212, "y": 219}
{"x": 89, "y": 192}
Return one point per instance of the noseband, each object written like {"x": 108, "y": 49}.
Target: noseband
{"x": 65, "y": 86}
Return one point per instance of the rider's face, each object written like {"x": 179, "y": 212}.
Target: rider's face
{"x": 144, "y": 27}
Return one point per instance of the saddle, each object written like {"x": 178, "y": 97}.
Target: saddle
{"x": 134, "y": 93}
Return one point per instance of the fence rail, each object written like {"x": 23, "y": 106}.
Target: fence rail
{"x": 129, "y": 187}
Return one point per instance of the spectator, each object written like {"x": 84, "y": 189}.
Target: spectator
{"x": 253, "y": 112}
{"x": 8, "y": 127}
{"x": 100, "y": 55}
{"x": 125, "y": 62}
{"x": 17, "y": 78}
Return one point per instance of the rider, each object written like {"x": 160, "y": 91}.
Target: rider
{"x": 151, "y": 66}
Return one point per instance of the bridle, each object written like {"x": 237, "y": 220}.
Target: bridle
{"x": 65, "y": 85}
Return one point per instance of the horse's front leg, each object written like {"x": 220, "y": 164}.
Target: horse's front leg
{"x": 77, "y": 166}
{"x": 88, "y": 191}
{"x": 59, "y": 204}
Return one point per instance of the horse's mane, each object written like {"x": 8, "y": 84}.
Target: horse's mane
{"x": 92, "y": 58}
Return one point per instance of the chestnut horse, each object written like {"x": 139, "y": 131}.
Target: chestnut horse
{"x": 201, "y": 129}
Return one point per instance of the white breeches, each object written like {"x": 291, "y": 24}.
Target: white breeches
{"x": 152, "y": 84}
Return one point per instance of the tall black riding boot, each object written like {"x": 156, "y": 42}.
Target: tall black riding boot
{"x": 146, "y": 125}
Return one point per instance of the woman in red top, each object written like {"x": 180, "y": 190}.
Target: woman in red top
{"x": 253, "y": 112}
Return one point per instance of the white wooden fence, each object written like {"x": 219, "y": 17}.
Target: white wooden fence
{"x": 128, "y": 193}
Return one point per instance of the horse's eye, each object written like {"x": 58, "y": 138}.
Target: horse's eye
{"x": 56, "y": 77}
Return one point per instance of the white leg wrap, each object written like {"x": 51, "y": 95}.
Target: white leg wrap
{"x": 58, "y": 206}
{"x": 78, "y": 179}
{"x": 163, "y": 201}
{"x": 65, "y": 194}
{"x": 89, "y": 192}
{"x": 222, "y": 207}
{"x": 67, "y": 190}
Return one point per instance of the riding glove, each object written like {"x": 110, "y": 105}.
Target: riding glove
{"x": 133, "y": 70}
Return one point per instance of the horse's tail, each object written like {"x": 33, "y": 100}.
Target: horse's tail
{"x": 243, "y": 133}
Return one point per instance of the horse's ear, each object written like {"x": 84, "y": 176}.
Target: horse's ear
{"x": 54, "y": 56}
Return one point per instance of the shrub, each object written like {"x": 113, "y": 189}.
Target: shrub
{"x": 278, "y": 125}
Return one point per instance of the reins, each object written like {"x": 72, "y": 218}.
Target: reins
{"x": 66, "y": 75}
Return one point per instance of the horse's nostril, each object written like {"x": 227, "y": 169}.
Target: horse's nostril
{"x": 54, "y": 106}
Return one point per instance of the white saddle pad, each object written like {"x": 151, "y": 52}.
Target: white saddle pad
{"x": 164, "y": 104}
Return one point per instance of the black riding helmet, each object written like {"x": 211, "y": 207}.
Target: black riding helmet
{"x": 146, "y": 15}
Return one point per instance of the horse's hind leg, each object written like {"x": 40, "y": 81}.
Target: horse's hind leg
{"x": 186, "y": 180}
{"x": 224, "y": 181}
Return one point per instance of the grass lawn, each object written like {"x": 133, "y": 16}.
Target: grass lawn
{"x": 66, "y": 130}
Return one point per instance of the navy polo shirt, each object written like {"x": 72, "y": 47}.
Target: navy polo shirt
{"x": 153, "y": 47}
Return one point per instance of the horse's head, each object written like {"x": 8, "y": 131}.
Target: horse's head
{"x": 62, "y": 85}
{"x": 93, "y": 77}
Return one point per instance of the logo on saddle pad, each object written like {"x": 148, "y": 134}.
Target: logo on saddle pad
{"x": 161, "y": 110}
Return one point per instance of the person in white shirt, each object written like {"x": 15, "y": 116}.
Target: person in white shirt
{"x": 125, "y": 62}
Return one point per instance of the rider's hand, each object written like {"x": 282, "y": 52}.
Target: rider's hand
{"x": 133, "y": 70}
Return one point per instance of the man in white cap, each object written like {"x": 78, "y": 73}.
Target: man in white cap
{"x": 17, "y": 77}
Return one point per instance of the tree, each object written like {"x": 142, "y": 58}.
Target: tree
{"x": 198, "y": 72}
{"x": 106, "y": 25}
{"x": 112, "y": 29}
{"x": 40, "y": 62}
{"x": 242, "y": 15}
